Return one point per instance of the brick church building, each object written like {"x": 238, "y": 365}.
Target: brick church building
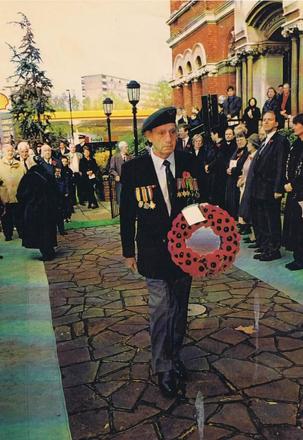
{"x": 245, "y": 43}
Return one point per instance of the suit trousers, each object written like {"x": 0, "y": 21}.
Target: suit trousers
{"x": 78, "y": 188}
{"x": 12, "y": 217}
{"x": 168, "y": 304}
{"x": 266, "y": 218}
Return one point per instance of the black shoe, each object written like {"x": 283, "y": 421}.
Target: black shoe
{"x": 270, "y": 257}
{"x": 168, "y": 384}
{"x": 249, "y": 241}
{"x": 253, "y": 246}
{"x": 48, "y": 257}
{"x": 94, "y": 206}
{"x": 180, "y": 370}
{"x": 258, "y": 256}
{"x": 8, "y": 238}
{"x": 63, "y": 233}
{"x": 260, "y": 251}
{"x": 294, "y": 266}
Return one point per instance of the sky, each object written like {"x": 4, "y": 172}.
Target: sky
{"x": 124, "y": 38}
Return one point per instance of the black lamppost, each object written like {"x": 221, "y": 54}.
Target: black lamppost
{"x": 71, "y": 114}
{"x": 108, "y": 109}
{"x": 133, "y": 93}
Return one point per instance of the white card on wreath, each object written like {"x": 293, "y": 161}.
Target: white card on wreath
{"x": 193, "y": 214}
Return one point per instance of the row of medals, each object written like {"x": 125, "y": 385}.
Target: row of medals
{"x": 144, "y": 196}
{"x": 187, "y": 187}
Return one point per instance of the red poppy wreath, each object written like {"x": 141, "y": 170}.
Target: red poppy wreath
{"x": 212, "y": 263}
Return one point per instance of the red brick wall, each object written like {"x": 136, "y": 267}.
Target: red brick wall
{"x": 187, "y": 98}
{"x": 217, "y": 85}
{"x": 178, "y": 96}
{"x": 214, "y": 37}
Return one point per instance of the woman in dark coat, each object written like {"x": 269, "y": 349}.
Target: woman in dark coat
{"x": 90, "y": 171}
{"x": 199, "y": 153}
{"x": 271, "y": 104}
{"x": 38, "y": 194}
{"x": 293, "y": 218}
{"x": 251, "y": 117}
{"x": 234, "y": 170}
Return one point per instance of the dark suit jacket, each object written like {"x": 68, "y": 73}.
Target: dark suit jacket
{"x": 179, "y": 146}
{"x": 269, "y": 168}
{"x": 149, "y": 227}
{"x": 232, "y": 106}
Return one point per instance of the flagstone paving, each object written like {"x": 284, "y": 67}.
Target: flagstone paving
{"x": 242, "y": 385}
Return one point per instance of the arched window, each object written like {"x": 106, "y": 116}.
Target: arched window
{"x": 180, "y": 72}
{"x": 198, "y": 62}
{"x": 189, "y": 68}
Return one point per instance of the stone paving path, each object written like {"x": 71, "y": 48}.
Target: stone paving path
{"x": 243, "y": 386}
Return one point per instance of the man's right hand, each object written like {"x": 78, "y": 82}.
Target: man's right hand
{"x": 117, "y": 178}
{"x": 131, "y": 264}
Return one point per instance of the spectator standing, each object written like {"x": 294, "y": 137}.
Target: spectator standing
{"x": 82, "y": 143}
{"x": 62, "y": 150}
{"x": 11, "y": 172}
{"x": 271, "y": 104}
{"x": 74, "y": 163}
{"x": 232, "y": 106}
{"x": 251, "y": 117}
{"x": 199, "y": 155}
{"x": 183, "y": 142}
{"x": 89, "y": 170}
{"x": 39, "y": 197}
{"x": 25, "y": 158}
{"x": 215, "y": 169}
{"x": 267, "y": 189}
{"x": 68, "y": 177}
{"x": 116, "y": 163}
{"x": 234, "y": 170}
{"x": 293, "y": 219}
{"x": 284, "y": 101}
{"x": 244, "y": 184}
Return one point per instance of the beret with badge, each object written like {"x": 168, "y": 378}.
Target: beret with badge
{"x": 166, "y": 115}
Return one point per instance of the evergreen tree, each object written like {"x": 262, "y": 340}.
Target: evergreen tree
{"x": 30, "y": 97}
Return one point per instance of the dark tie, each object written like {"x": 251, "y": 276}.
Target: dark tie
{"x": 262, "y": 148}
{"x": 171, "y": 184}
{"x": 25, "y": 164}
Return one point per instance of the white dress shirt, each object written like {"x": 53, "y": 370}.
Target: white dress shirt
{"x": 161, "y": 174}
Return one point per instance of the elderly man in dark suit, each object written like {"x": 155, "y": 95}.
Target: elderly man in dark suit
{"x": 149, "y": 203}
{"x": 267, "y": 189}
{"x": 232, "y": 106}
{"x": 116, "y": 163}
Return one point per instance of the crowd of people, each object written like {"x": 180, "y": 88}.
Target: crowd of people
{"x": 248, "y": 168}
{"x": 39, "y": 189}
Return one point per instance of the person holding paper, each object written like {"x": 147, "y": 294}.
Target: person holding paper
{"x": 155, "y": 188}
{"x": 89, "y": 169}
{"x": 234, "y": 171}
{"x": 293, "y": 218}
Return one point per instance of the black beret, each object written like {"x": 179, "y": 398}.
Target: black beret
{"x": 163, "y": 116}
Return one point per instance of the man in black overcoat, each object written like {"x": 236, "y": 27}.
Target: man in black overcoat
{"x": 38, "y": 194}
{"x": 268, "y": 188}
{"x": 148, "y": 207}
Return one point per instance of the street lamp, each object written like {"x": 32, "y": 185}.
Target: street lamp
{"x": 71, "y": 114}
{"x": 133, "y": 93}
{"x": 108, "y": 109}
